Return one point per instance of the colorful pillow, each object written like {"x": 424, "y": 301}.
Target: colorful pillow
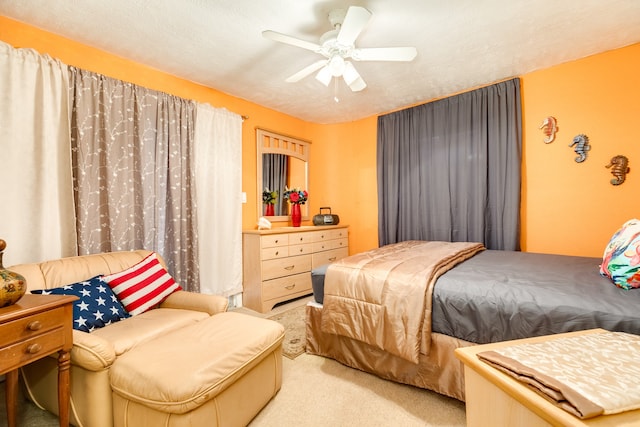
{"x": 621, "y": 259}
{"x": 96, "y": 307}
{"x": 142, "y": 286}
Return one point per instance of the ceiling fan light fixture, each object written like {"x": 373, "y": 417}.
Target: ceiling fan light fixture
{"x": 324, "y": 76}
{"x": 336, "y": 65}
{"x": 352, "y": 78}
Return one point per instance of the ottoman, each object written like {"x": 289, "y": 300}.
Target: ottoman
{"x": 218, "y": 372}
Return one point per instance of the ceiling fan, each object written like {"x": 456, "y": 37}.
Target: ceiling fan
{"x": 338, "y": 46}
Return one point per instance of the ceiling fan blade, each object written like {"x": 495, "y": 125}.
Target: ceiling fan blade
{"x": 352, "y": 77}
{"x": 283, "y": 38}
{"x": 306, "y": 71}
{"x": 354, "y": 22}
{"x": 385, "y": 54}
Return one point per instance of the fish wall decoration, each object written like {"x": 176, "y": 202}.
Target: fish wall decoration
{"x": 580, "y": 145}
{"x": 619, "y": 169}
{"x": 549, "y": 127}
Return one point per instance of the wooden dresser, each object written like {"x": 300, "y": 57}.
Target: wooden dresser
{"x": 277, "y": 263}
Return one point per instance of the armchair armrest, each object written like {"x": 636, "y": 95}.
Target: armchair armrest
{"x": 91, "y": 352}
{"x": 211, "y": 304}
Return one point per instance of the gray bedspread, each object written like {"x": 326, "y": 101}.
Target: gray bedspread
{"x": 502, "y": 295}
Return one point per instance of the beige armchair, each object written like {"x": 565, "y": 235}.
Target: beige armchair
{"x": 94, "y": 354}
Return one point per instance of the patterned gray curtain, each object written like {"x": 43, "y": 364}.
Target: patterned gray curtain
{"x": 132, "y": 171}
{"x": 449, "y": 170}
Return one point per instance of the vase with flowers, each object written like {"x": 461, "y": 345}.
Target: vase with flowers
{"x": 296, "y": 197}
{"x": 269, "y": 199}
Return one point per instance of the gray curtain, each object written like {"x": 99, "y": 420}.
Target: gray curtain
{"x": 449, "y": 170}
{"x": 132, "y": 170}
{"x": 274, "y": 177}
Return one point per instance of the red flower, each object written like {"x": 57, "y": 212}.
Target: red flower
{"x": 294, "y": 197}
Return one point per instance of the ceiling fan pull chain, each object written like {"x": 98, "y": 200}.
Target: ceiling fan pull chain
{"x": 335, "y": 90}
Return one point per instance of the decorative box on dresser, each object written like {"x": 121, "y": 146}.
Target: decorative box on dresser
{"x": 277, "y": 263}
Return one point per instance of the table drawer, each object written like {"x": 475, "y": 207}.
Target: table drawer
{"x": 31, "y": 326}
{"x": 286, "y": 286}
{"x": 274, "y": 268}
{"x": 28, "y": 350}
{"x": 327, "y": 257}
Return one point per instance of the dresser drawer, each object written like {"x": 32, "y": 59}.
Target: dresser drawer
{"x": 330, "y": 244}
{"x": 320, "y": 236}
{"x": 274, "y": 252}
{"x": 327, "y": 257}
{"x": 274, "y": 240}
{"x": 31, "y": 326}
{"x": 28, "y": 350}
{"x": 304, "y": 249}
{"x": 274, "y": 268}
{"x": 300, "y": 238}
{"x": 284, "y": 286}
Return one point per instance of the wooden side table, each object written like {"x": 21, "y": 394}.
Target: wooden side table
{"x": 496, "y": 399}
{"x": 35, "y": 327}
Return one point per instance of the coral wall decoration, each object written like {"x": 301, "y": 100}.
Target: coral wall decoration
{"x": 549, "y": 127}
{"x": 619, "y": 169}
{"x": 580, "y": 145}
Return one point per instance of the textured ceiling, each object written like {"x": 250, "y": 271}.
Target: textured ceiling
{"x": 461, "y": 44}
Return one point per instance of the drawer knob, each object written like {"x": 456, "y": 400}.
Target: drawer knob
{"x": 290, "y": 287}
{"x": 289, "y": 267}
{"x": 332, "y": 258}
{"x": 301, "y": 250}
{"x": 34, "y": 348}
{"x": 277, "y": 240}
{"x": 34, "y": 326}
{"x": 277, "y": 252}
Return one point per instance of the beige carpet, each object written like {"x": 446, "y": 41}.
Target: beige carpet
{"x": 322, "y": 392}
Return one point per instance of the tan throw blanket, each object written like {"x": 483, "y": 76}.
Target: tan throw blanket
{"x": 383, "y": 297}
{"x": 586, "y": 375}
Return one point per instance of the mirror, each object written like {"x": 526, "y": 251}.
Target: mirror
{"x": 282, "y": 161}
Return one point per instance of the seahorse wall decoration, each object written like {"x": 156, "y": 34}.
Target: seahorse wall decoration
{"x": 581, "y": 143}
{"x": 549, "y": 126}
{"x": 619, "y": 169}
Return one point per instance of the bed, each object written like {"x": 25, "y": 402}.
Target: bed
{"x": 476, "y": 297}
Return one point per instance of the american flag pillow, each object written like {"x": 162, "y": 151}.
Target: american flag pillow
{"x": 142, "y": 286}
{"x": 96, "y": 305}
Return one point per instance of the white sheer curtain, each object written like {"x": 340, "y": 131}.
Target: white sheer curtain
{"x": 37, "y": 216}
{"x": 218, "y": 157}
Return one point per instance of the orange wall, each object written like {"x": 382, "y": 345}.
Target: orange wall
{"x": 567, "y": 207}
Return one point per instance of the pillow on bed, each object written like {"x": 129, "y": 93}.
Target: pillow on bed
{"x": 621, "y": 259}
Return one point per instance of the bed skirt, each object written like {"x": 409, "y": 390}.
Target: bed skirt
{"x": 440, "y": 371}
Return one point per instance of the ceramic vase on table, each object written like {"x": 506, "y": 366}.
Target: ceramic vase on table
{"x": 12, "y": 285}
{"x": 296, "y": 216}
{"x": 269, "y": 210}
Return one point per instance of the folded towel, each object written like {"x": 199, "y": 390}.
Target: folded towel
{"x": 586, "y": 375}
